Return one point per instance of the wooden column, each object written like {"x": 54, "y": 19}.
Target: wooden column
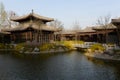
{"x": 14, "y": 38}
{"x": 26, "y": 36}
{"x": 90, "y": 38}
{"x": 30, "y": 35}
{"x": 11, "y": 36}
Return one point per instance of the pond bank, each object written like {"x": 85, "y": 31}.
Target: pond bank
{"x": 33, "y": 52}
{"x": 103, "y": 56}
{"x": 45, "y": 52}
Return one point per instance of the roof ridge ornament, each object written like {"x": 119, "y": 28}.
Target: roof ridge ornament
{"x": 32, "y": 11}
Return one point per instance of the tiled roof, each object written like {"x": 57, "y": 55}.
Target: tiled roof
{"x": 110, "y": 26}
{"x": 66, "y": 32}
{"x": 17, "y": 19}
{"x": 3, "y": 32}
{"x": 115, "y": 20}
{"x": 86, "y": 30}
{"x": 21, "y": 28}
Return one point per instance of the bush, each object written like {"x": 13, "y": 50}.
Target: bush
{"x": 9, "y": 46}
{"x": 97, "y": 47}
{"x": 116, "y": 51}
{"x": 24, "y": 47}
{"x": 67, "y": 44}
{"x": 46, "y": 46}
{"x": 80, "y": 42}
{"x": 19, "y": 46}
{"x": 2, "y": 46}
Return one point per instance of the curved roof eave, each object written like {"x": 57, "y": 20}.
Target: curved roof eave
{"x": 21, "y": 18}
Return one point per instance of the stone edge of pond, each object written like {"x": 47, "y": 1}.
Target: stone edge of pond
{"x": 102, "y": 57}
{"x": 45, "y": 52}
{"x": 41, "y": 52}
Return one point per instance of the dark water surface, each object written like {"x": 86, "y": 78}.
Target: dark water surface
{"x": 67, "y": 66}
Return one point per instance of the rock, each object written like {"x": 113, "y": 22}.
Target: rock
{"x": 60, "y": 49}
{"x": 100, "y": 51}
{"x": 52, "y": 50}
{"x": 36, "y": 49}
{"x": 89, "y": 50}
{"x": 109, "y": 52}
{"x": 22, "y": 48}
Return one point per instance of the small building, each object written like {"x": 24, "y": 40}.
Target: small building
{"x": 92, "y": 34}
{"x": 107, "y": 34}
{"x": 4, "y": 37}
{"x": 66, "y": 35}
{"x": 33, "y": 28}
{"x": 87, "y": 35}
{"x": 116, "y": 22}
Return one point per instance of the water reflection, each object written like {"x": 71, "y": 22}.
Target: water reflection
{"x": 67, "y": 66}
{"x": 113, "y": 65}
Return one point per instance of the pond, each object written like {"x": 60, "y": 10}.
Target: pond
{"x": 68, "y": 66}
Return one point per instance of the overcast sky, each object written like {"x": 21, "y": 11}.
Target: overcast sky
{"x": 85, "y": 12}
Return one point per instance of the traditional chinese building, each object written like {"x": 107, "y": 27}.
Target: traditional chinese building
{"x": 4, "y": 37}
{"x": 87, "y": 34}
{"x": 92, "y": 34}
{"x": 33, "y": 28}
{"x": 106, "y": 34}
{"x": 116, "y": 22}
{"x": 66, "y": 35}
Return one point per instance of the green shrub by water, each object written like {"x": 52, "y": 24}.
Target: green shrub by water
{"x": 80, "y": 42}
{"x": 69, "y": 44}
{"x": 97, "y": 47}
{"x": 46, "y": 46}
{"x": 2, "y": 46}
{"x": 19, "y": 46}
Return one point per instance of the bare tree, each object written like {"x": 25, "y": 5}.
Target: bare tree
{"x": 76, "y": 29}
{"x": 76, "y": 26}
{"x": 10, "y": 23}
{"x": 104, "y": 22}
{"x": 56, "y": 24}
{"x": 3, "y": 14}
{"x": 5, "y": 17}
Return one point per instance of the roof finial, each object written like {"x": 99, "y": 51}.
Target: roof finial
{"x": 32, "y": 11}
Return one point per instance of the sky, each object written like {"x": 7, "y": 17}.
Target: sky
{"x": 84, "y": 12}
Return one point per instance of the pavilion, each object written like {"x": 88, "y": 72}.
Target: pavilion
{"x": 32, "y": 27}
